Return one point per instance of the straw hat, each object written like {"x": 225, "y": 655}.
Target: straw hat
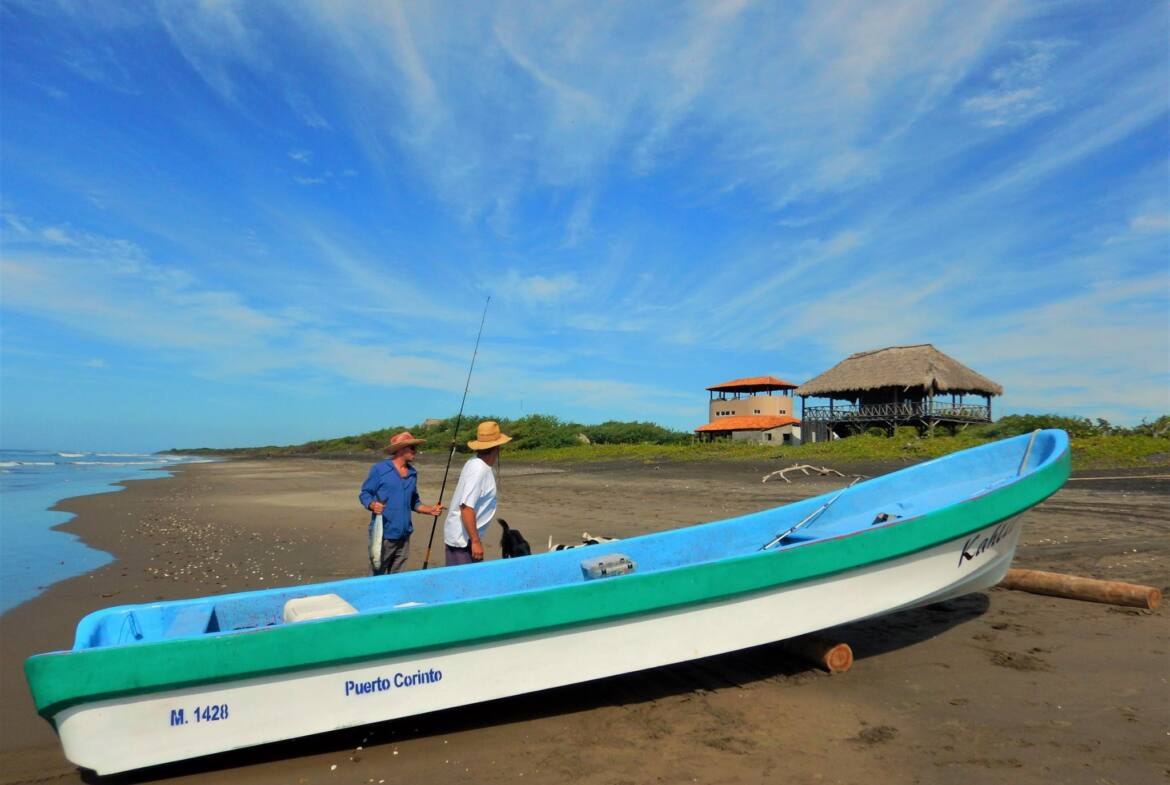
{"x": 488, "y": 435}
{"x": 400, "y": 440}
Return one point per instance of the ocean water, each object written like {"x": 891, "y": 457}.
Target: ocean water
{"x": 32, "y": 555}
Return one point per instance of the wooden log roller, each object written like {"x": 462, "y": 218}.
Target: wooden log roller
{"x": 828, "y": 655}
{"x": 1055, "y": 584}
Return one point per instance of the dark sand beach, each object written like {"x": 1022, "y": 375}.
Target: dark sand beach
{"x": 994, "y": 687}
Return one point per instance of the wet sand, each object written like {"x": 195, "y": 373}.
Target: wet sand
{"x": 992, "y": 687}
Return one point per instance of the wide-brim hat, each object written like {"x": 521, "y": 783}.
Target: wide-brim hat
{"x": 400, "y": 440}
{"x": 487, "y": 436}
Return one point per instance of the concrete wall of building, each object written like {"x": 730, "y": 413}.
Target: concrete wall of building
{"x": 754, "y": 404}
{"x": 785, "y": 434}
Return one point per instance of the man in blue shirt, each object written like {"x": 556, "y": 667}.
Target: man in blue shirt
{"x": 391, "y": 490}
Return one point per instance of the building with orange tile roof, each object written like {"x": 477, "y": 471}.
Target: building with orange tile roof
{"x": 752, "y": 384}
{"x": 756, "y": 408}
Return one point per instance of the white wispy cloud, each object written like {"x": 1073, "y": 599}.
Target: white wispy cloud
{"x": 536, "y": 289}
{"x": 727, "y": 73}
{"x": 798, "y": 103}
{"x": 1009, "y": 107}
{"x": 306, "y": 109}
{"x": 101, "y": 65}
{"x": 566, "y": 394}
{"x": 755, "y": 180}
{"x": 216, "y": 40}
{"x": 1150, "y": 223}
{"x": 1019, "y": 90}
{"x": 577, "y": 226}
{"x": 111, "y": 288}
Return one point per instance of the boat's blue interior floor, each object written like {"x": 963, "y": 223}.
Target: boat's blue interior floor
{"x": 903, "y": 496}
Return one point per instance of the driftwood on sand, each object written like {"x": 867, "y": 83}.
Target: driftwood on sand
{"x": 828, "y": 654}
{"x": 823, "y": 471}
{"x": 1074, "y": 587}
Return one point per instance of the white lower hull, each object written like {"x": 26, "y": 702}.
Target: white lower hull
{"x": 129, "y": 733}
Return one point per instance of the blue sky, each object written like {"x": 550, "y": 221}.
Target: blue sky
{"x": 242, "y": 223}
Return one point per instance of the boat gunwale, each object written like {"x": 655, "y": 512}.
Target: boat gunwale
{"x": 63, "y": 679}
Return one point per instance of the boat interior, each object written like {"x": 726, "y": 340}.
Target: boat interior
{"x": 895, "y": 499}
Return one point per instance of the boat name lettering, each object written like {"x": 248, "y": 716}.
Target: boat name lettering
{"x": 383, "y": 683}
{"x": 978, "y": 543}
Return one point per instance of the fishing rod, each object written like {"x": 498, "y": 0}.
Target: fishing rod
{"x": 1027, "y": 452}
{"x": 455, "y": 434}
{"x": 811, "y": 516}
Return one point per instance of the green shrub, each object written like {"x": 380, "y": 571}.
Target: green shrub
{"x": 543, "y": 437}
{"x": 540, "y": 430}
{"x": 614, "y": 432}
{"x": 905, "y": 433}
{"x": 1159, "y": 428}
{"x": 1016, "y": 424}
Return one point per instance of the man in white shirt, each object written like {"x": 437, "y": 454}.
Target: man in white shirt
{"x": 474, "y": 504}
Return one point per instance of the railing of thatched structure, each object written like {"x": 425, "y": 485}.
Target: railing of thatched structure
{"x": 906, "y": 410}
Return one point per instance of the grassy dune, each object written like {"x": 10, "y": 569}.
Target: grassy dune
{"x": 547, "y": 439}
{"x": 1087, "y": 452}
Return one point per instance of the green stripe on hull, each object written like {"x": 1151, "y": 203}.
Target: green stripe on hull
{"x": 63, "y": 679}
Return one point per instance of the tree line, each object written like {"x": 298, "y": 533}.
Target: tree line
{"x": 544, "y": 431}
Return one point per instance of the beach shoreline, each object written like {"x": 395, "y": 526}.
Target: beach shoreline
{"x": 1057, "y": 704}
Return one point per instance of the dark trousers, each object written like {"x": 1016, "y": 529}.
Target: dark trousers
{"x": 457, "y": 556}
{"x": 394, "y": 555}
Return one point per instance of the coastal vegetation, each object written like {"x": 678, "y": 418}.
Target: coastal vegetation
{"x": 541, "y": 437}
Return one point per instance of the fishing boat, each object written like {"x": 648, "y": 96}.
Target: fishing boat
{"x": 152, "y": 683}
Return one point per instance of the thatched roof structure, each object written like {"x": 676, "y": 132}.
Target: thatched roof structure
{"x": 921, "y": 367}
